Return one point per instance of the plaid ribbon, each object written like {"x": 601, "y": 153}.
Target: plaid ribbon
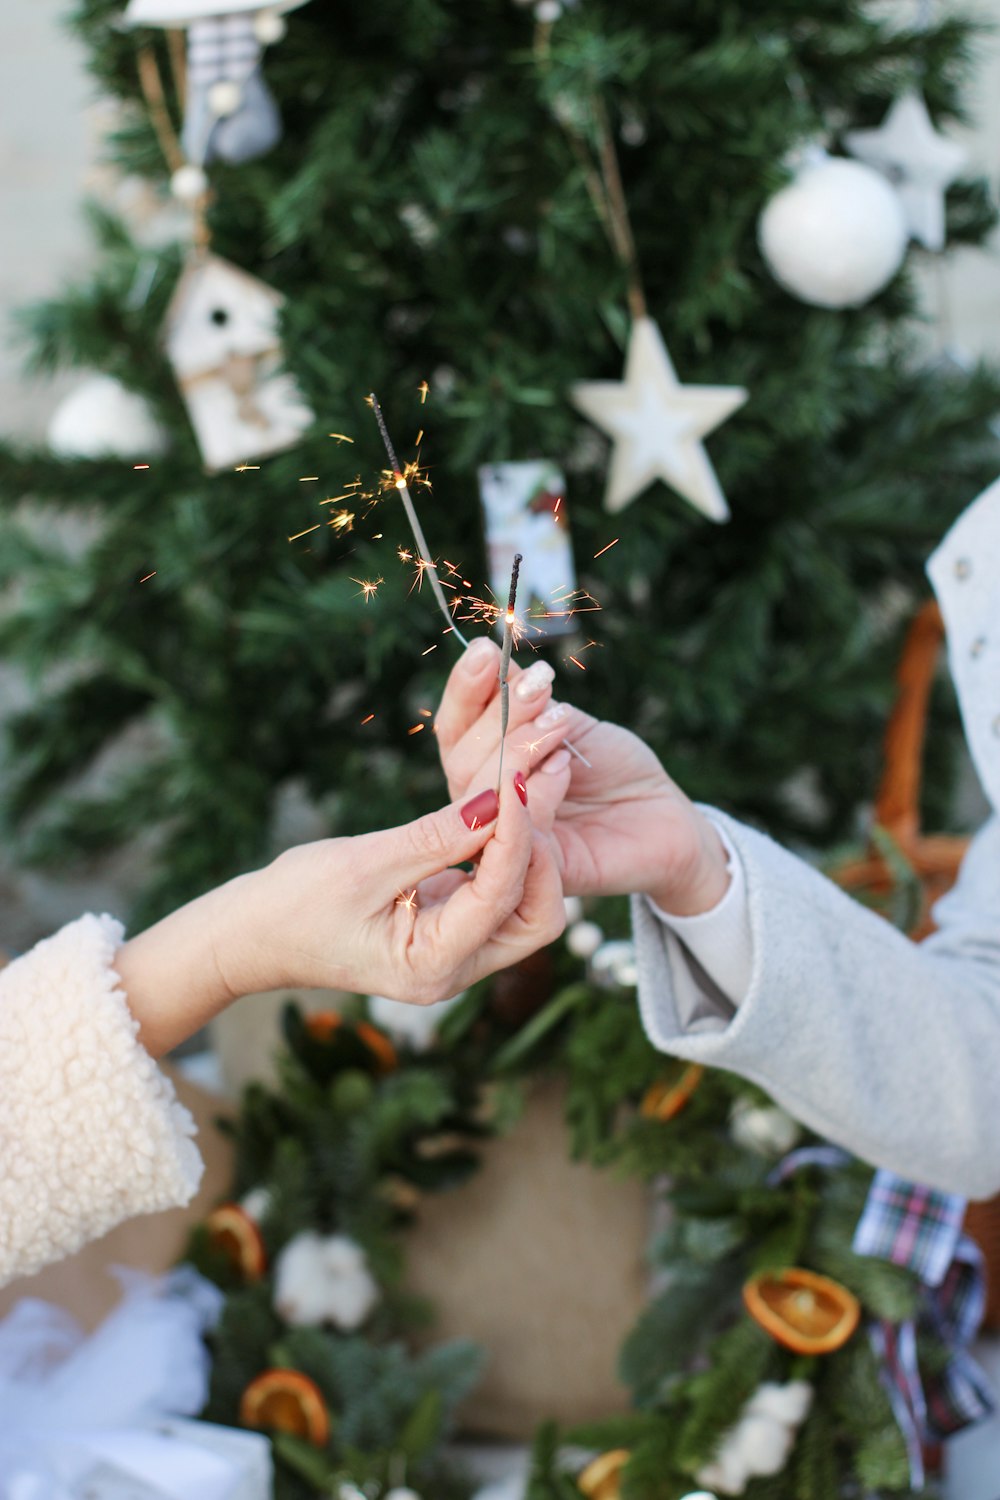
{"x": 920, "y": 1229}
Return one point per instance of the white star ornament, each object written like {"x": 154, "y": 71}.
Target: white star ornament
{"x": 920, "y": 163}
{"x": 657, "y": 425}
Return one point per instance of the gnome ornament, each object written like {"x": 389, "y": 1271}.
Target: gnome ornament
{"x": 229, "y": 114}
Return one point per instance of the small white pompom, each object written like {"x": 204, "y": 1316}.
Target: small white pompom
{"x": 789, "y": 1403}
{"x": 224, "y": 98}
{"x": 614, "y": 963}
{"x": 573, "y": 907}
{"x": 256, "y": 1203}
{"x": 547, "y": 12}
{"x": 269, "y": 27}
{"x": 583, "y": 939}
{"x": 401, "y": 1493}
{"x": 764, "y": 1129}
{"x": 189, "y": 183}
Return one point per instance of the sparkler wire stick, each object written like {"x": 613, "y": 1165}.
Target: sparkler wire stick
{"x": 425, "y": 552}
{"x": 414, "y": 520}
{"x": 508, "y": 642}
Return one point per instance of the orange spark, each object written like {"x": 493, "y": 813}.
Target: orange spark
{"x": 557, "y": 505}
{"x": 342, "y": 520}
{"x": 577, "y": 663}
{"x": 368, "y": 720}
{"x": 306, "y": 532}
{"x": 424, "y": 390}
{"x": 369, "y": 586}
{"x": 308, "y": 478}
{"x": 242, "y": 468}
{"x": 429, "y": 650}
{"x": 148, "y": 577}
{"x": 341, "y": 437}
{"x": 140, "y": 466}
{"x": 427, "y": 713}
{"x": 420, "y": 438}
{"x": 407, "y": 901}
{"x": 417, "y": 729}
{"x": 607, "y": 548}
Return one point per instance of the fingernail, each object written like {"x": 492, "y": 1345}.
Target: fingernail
{"x": 557, "y": 761}
{"x": 482, "y": 809}
{"x": 552, "y": 715}
{"x": 534, "y": 681}
{"x": 521, "y": 786}
{"x": 477, "y": 652}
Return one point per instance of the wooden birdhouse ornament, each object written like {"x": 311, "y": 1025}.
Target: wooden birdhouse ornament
{"x": 222, "y": 341}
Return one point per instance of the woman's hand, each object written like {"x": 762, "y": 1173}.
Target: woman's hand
{"x": 617, "y": 825}
{"x": 383, "y": 913}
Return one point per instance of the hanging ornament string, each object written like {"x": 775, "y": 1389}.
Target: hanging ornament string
{"x": 153, "y": 92}
{"x": 603, "y": 179}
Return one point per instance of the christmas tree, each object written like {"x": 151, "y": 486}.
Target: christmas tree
{"x": 431, "y": 218}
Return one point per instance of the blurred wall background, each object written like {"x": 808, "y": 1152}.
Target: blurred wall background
{"x": 49, "y": 147}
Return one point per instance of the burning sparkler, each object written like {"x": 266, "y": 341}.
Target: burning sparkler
{"x": 508, "y": 645}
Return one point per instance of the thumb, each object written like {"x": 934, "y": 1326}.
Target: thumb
{"x": 425, "y": 847}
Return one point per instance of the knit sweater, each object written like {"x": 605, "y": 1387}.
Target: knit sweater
{"x": 91, "y": 1131}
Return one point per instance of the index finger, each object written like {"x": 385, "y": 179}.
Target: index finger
{"x": 471, "y": 686}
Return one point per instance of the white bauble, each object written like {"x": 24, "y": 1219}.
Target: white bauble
{"x": 763, "y": 1128}
{"x": 183, "y": 12}
{"x": 401, "y": 1493}
{"x": 583, "y": 939}
{"x": 101, "y": 419}
{"x": 836, "y": 235}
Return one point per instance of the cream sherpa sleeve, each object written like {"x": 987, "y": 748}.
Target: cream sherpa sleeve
{"x": 91, "y": 1131}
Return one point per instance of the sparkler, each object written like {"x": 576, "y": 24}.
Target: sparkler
{"x": 508, "y": 645}
{"x": 423, "y": 551}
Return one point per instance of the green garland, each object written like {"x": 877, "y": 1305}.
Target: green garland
{"x": 345, "y": 1145}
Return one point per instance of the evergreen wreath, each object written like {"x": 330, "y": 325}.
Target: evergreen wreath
{"x": 358, "y": 1129}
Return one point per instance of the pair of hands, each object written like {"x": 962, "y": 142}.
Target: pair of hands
{"x": 386, "y": 913}
{"x": 608, "y": 824}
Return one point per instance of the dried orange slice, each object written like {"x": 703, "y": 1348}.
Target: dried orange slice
{"x": 286, "y": 1401}
{"x": 667, "y": 1098}
{"x": 601, "y": 1479}
{"x": 801, "y": 1310}
{"x": 322, "y": 1026}
{"x": 231, "y": 1230}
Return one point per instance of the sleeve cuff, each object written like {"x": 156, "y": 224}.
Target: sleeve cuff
{"x": 719, "y": 939}
{"x": 91, "y": 1132}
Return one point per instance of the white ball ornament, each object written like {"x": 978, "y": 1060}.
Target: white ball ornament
{"x": 401, "y": 1493}
{"x": 224, "y": 98}
{"x": 614, "y": 964}
{"x": 102, "y": 419}
{"x": 547, "y": 12}
{"x": 573, "y": 907}
{"x": 269, "y": 27}
{"x": 583, "y": 939}
{"x": 189, "y": 183}
{"x": 763, "y": 1128}
{"x": 836, "y": 235}
{"x": 324, "y": 1279}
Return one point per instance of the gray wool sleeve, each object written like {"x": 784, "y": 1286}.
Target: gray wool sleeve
{"x": 889, "y": 1048}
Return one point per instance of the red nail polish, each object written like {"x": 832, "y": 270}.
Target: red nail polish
{"x": 482, "y": 809}
{"x": 521, "y": 786}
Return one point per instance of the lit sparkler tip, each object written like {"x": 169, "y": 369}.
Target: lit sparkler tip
{"x": 407, "y": 900}
{"x": 424, "y": 390}
{"x": 369, "y": 586}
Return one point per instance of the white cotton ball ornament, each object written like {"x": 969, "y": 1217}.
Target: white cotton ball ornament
{"x": 402, "y": 1493}
{"x": 416, "y": 1025}
{"x": 765, "y": 1445}
{"x": 836, "y": 235}
{"x": 102, "y": 419}
{"x": 790, "y": 1403}
{"x": 189, "y": 183}
{"x": 583, "y": 939}
{"x": 269, "y": 27}
{"x": 224, "y": 98}
{"x": 547, "y": 12}
{"x": 763, "y": 1128}
{"x": 324, "y": 1279}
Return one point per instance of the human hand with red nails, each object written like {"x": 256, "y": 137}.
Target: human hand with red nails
{"x": 384, "y": 913}
{"x": 618, "y": 824}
